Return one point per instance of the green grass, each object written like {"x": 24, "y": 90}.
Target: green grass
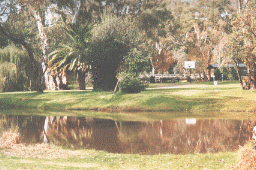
{"x": 196, "y": 98}
{"x": 91, "y": 159}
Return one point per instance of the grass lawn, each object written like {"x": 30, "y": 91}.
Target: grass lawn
{"x": 161, "y": 101}
{"x": 44, "y": 156}
{"x": 201, "y": 99}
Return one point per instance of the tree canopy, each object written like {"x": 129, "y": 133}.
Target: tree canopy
{"x": 127, "y": 36}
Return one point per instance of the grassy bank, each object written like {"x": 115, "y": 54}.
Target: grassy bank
{"x": 195, "y": 97}
{"x": 158, "y": 102}
{"x": 44, "y": 156}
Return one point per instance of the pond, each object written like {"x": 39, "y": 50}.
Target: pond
{"x": 177, "y": 136}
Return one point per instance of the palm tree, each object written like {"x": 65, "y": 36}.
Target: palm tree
{"x": 73, "y": 56}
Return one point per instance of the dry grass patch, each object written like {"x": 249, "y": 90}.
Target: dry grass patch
{"x": 246, "y": 158}
{"x": 9, "y": 138}
{"x": 41, "y": 151}
{"x": 10, "y": 145}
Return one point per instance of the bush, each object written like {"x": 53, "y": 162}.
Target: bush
{"x": 131, "y": 84}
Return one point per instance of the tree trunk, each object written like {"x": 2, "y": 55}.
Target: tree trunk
{"x": 240, "y": 5}
{"x": 65, "y": 80}
{"x": 81, "y": 80}
{"x": 204, "y": 76}
{"x": 116, "y": 87}
{"x": 60, "y": 83}
{"x": 55, "y": 82}
{"x": 209, "y": 74}
{"x": 210, "y": 54}
{"x": 251, "y": 72}
{"x": 49, "y": 81}
{"x": 238, "y": 74}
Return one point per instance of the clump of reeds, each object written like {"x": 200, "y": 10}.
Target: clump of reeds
{"x": 246, "y": 158}
{"x": 9, "y": 138}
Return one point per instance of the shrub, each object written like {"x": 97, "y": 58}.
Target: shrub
{"x": 131, "y": 84}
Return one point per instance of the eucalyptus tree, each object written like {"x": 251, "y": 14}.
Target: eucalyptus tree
{"x": 210, "y": 27}
{"x": 38, "y": 10}
{"x": 197, "y": 27}
{"x": 238, "y": 45}
{"x": 231, "y": 49}
{"x": 244, "y": 27}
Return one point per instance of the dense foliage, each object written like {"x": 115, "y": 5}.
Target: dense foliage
{"x": 111, "y": 41}
{"x": 128, "y": 36}
{"x": 131, "y": 84}
{"x": 15, "y": 69}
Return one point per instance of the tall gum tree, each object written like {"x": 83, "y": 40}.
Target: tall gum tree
{"x": 152, "y": 17}
{"x": 244, "y": 26}
{"x": 230, "y": 50}
{"x": 38, "y": 11}
{"x": 195, "y": 28}
{"x": 72, "y": 9}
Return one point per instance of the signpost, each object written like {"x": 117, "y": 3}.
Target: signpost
{"x": 189, "y": 64}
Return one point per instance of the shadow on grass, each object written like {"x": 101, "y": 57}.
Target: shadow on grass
{"x": 54, "y": 100}
{"x": 12, "y": 103}
{"x": 162, "y": 100}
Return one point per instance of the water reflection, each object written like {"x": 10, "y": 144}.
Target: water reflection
{"x": 179, "y": 136}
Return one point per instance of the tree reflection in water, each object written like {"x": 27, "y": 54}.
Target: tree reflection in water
{"x": 151, "y": 137}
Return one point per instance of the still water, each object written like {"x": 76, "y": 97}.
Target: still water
{"x": 177, "y": 136}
